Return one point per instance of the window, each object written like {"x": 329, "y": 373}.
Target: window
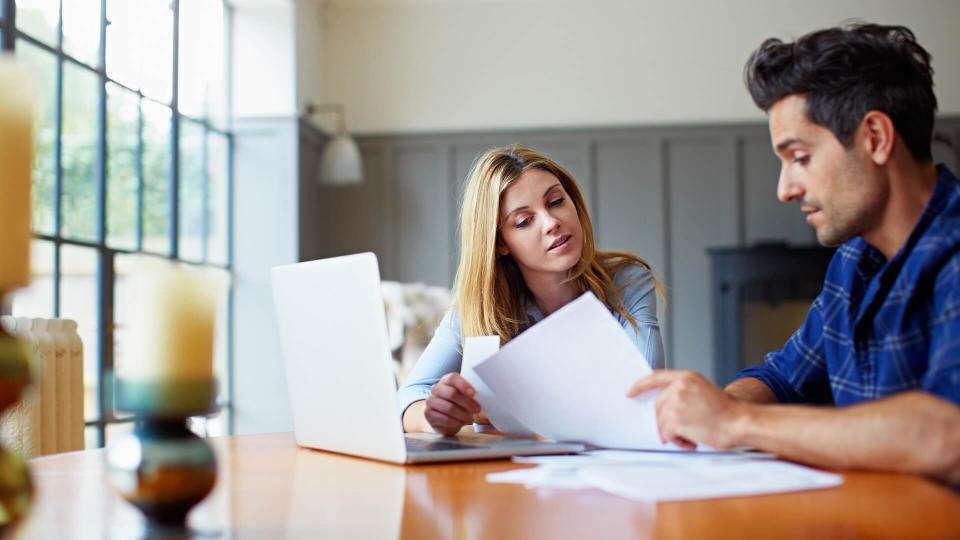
{"x": 132, "y": 155}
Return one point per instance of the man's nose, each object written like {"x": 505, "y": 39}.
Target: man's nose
{"x": 788, "y": 189}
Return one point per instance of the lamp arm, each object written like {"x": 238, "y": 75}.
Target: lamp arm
{"x": 335, "y": 108}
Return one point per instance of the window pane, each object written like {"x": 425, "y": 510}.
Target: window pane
{"x": 38, "y": 19}
{"x": 156, "y": 178}
{"x": 202, "y": 60}
{"x": 124, "y": 41}
{"x": 79, "y": 154}
{"x": 79, "y": 301}
{"x": 43, "y": 68}
{"x": 122, "y": 113}
{"x": 191, "y": 193}
{"x": 90, "y": 437}
{"x": 156, "y": 31}
{"x": 219, "y": 172}
{"x": 81, "y": 30}
{"x": 37, "y": 299}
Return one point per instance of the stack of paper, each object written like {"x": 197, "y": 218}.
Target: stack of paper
{"x": 668, "y": 476}
{"x": 565, "y": 379}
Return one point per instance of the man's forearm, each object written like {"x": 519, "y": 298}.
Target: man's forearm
{"x": 752, "y": 390}
{"x": 914, "y": 432}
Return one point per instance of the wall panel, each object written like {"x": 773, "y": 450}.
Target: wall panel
{"x": 703, "y": 213}
{"x": 420, "y": 229}
{"x": 667, "y": 194}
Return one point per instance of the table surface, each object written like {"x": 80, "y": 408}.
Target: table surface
{"x": 269, "y": 488}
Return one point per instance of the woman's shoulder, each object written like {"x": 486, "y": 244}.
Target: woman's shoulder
{"x": 632, "y": 275}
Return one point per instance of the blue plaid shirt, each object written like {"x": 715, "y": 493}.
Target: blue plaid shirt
{"x": 881, "y": 327}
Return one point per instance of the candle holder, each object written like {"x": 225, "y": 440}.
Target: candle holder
{"x": 16, "y": 488}
{"x": 163, "y": 468}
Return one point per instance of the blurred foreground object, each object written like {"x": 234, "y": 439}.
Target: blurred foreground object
{"x": 16, "y": 154}
{"x": 163, "y": 468}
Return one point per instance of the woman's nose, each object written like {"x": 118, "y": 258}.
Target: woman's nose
{"x": 550, "y": 222}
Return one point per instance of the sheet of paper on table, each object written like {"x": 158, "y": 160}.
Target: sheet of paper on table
{"x": 566, "y": 376}
{"x": 475, "y": 350}
{"x": 705, "y": 480}
{"x": 671, "y": 478}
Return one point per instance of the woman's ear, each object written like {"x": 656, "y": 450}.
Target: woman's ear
{"x": 502, "y": 248}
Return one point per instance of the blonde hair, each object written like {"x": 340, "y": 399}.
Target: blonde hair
{"x": 490, "y": 294}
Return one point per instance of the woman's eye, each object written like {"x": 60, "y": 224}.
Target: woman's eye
{"x": 522, "y": 223}
{"x": 555, "y": 202}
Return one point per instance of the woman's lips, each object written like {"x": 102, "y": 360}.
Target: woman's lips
{"x": 560, "y": 242}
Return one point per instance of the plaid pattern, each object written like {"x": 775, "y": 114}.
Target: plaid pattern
{"x": 878, "y": 328}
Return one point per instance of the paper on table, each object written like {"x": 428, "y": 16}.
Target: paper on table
{"x": 705, "y": 480}
{"x": 546, "y": 477}
{"x": 614, "y": 457}
{"x": 475, "y": 350}
{"x": 565, "y": 378}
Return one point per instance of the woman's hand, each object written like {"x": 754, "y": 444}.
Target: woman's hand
{"x": 451, "y": 405}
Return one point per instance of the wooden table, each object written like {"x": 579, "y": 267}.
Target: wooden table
{"x": 269, "y": 488}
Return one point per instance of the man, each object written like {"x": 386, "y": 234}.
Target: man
{"x": 851, "y": 118}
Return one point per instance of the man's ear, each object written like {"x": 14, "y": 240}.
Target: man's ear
{"x": 876, "y": 136}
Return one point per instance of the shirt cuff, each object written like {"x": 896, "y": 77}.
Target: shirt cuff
{"x": 409, "y": 395}
{"x": 776, "y": 382}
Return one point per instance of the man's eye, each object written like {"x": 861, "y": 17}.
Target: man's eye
{"x": 801, "y": 160}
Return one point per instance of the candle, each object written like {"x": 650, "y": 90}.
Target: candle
{"x": 16, "y": 150}
{"x": 173, "y": 325}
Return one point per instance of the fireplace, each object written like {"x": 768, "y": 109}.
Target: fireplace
{"x": 761, "y": 295}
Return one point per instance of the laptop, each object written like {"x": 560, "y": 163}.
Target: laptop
{"x": 333, "y": 333}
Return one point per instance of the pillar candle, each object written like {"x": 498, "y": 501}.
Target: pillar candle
{"x": 16, "y": 150}
{"x": 173, "y": 325}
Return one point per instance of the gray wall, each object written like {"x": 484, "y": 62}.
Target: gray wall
{"x": 666, "y": 194}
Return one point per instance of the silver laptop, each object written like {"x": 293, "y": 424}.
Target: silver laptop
{"x": 333, "y": 332}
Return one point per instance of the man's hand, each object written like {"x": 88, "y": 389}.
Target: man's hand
{"x": 691, "y": 410}
{"x": 451, "y": 405}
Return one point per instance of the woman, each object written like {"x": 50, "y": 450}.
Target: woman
{"x": 527, "y": 249}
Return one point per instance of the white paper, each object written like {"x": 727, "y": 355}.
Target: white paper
{"x": 475, "y": 350}
{"x": 540, "y": 477}
{"x": 566, "y": 379}
{"x": 705, "y": 480}
{"x": 614, "y": 457}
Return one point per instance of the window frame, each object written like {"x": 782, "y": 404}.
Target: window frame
{"x": 106, "y": 255}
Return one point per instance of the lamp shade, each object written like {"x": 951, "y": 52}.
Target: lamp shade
{"x": 340, "y": 163}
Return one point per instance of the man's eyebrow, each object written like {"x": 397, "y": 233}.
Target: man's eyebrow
{"x": 786, "y": 143}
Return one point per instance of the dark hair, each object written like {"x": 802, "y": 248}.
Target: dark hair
{"x": 846, "y": 72}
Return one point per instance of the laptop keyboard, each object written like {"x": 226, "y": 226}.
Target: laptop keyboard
{"x": 420, "y": 445}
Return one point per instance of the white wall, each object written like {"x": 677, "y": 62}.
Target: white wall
{"x": 265, "y": 196}
{"x": 414, "y": 65}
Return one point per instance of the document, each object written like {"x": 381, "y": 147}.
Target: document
{"x": 475, "y": 350}
{"x": 566, "y": 378}
{"x": 705, "y": 480}
{"x": 668, "y": 476}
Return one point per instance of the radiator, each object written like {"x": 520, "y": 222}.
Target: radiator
{"x": 49, "y": 417}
